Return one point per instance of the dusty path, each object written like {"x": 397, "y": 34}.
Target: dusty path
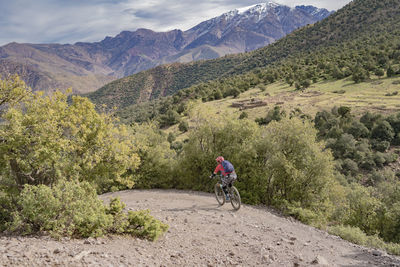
{"x": 200, "y": 234}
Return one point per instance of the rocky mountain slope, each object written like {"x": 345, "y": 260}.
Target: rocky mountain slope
{"x": 87, "y": 66}
{"x": 359, "y": 26}
{"x": 201, "y": 234}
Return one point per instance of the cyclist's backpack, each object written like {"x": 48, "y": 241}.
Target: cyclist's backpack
{"x": 228, "y": 167}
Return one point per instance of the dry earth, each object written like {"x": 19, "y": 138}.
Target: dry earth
{"x": 201, "y": 234}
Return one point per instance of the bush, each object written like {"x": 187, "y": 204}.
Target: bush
{"x": 142, "y": 224}
{"x": 383, "y": 131}
{"x": 358, "y": 130}
{"x": 243, "y": 115}
{"x": 355, "y": 235}
{"x": 67, "y": 209}
{"x": 73, "y": 209}
{"x": 183, "y": 126}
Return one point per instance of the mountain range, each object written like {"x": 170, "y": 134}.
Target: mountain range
{"x": 87, "y": 66}
{"x": 360, "y": 38}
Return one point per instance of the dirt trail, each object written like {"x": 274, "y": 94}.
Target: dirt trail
{"x": 200, "y": 234}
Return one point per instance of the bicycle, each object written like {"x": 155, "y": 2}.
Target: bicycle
{"x": 233, "y": 194}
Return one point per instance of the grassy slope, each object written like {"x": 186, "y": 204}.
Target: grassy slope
{"x": 361, "y": 97}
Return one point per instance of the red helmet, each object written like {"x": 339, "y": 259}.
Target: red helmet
{"x": 220, "y": 159}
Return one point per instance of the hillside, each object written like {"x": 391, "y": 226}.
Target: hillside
{"x": 88, "y": 66}
{"x": 356, "y": 35}
{"x": 201, "y": 233}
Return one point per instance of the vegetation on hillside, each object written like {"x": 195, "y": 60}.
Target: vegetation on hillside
{"x": 54, "y": 157}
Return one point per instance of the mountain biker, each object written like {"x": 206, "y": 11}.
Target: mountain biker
{"x": 228, "y": 174}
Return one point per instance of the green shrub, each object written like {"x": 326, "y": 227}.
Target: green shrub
{"x": 73, "y": 209}
{"x": 383, "y": 131}
{"x": 243, "y": 115}
{"x": 6, "y": 208}
{"x": 183, "y": 126}
{"x": 67, "y": 209}
{"x": 355, "y": 235}
{"x": 304, "y": 215}
{"x": 142, "y": 224}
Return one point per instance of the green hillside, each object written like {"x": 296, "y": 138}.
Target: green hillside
{"x": 361, "y": 37}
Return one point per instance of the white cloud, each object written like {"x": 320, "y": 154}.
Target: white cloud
{"x": 48, "y": 21}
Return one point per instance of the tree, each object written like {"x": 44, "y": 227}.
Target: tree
{"x": 170, "y": 118}
{"x": 156, "y": 156}
{"x": 360, "y": 75}
{"x": 12, "y": 91}
{"x": 296, "y": 167}
{"x": 379, "y": 72}
{"x": 383, "y": 131}
{"x": 45, "y": 139}
{"x": 390, "y": 72}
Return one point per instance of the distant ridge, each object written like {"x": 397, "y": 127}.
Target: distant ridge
{"x": 88, "y": 66}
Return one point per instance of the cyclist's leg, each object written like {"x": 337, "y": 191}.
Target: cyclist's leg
{"x": 231, "y": 178}
{"x": 225, "y": 184}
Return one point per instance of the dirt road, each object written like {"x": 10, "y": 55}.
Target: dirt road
{"x": 201, "y": 234}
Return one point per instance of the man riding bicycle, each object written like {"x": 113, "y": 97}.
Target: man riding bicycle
{"x": 228, "y": 173}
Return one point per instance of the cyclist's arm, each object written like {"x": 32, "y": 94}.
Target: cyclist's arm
{"x": 219, "y": 168}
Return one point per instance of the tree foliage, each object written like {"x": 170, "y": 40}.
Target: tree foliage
{"x": 45, "y": 139}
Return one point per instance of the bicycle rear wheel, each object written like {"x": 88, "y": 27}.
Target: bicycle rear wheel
{"x": 235, "y": 198}
{"x": 219, "y": 194}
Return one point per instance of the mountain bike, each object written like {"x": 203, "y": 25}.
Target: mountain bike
{"x": 233, "y": 194}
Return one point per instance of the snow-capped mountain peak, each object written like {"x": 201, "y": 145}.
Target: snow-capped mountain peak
{"x": 257, "y": 8}
{"x": 265, "y": 21}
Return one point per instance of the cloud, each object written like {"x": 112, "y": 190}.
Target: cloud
{"x": 49, "y": 21}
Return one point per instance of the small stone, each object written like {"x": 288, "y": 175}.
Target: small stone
{"x": 265, "y": 259}
{"x": 320, "y": 260}
{"x": 377, "y": 253}
{"x": 185, "y": 220}
{"x": 56, "y": 251}
{"x": 231, "y": 254}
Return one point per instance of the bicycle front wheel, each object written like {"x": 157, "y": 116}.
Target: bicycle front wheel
{"x": 219, "y": 194}
{"x": 235, "y": 198}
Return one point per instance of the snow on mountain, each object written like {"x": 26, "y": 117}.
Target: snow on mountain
{"x": 255, "y": 17}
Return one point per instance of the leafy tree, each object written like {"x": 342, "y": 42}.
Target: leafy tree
{"x": 363, "y": 209}
{"x": 45, "y": 139}
{"x": 383, "y": 131}
{"x": 358, "y": 130}
{"x": 359, "y": 75}
{"x": 170, "y": 118}
{"x": 390, "y": 72}
{"x": 12, "y": 91}
{"x": 157, "y": 158}
{"x": 296, "y": 167}
{"x": 379, "y": 72}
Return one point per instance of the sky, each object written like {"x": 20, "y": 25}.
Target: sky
{"x": 70, "y": 21}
